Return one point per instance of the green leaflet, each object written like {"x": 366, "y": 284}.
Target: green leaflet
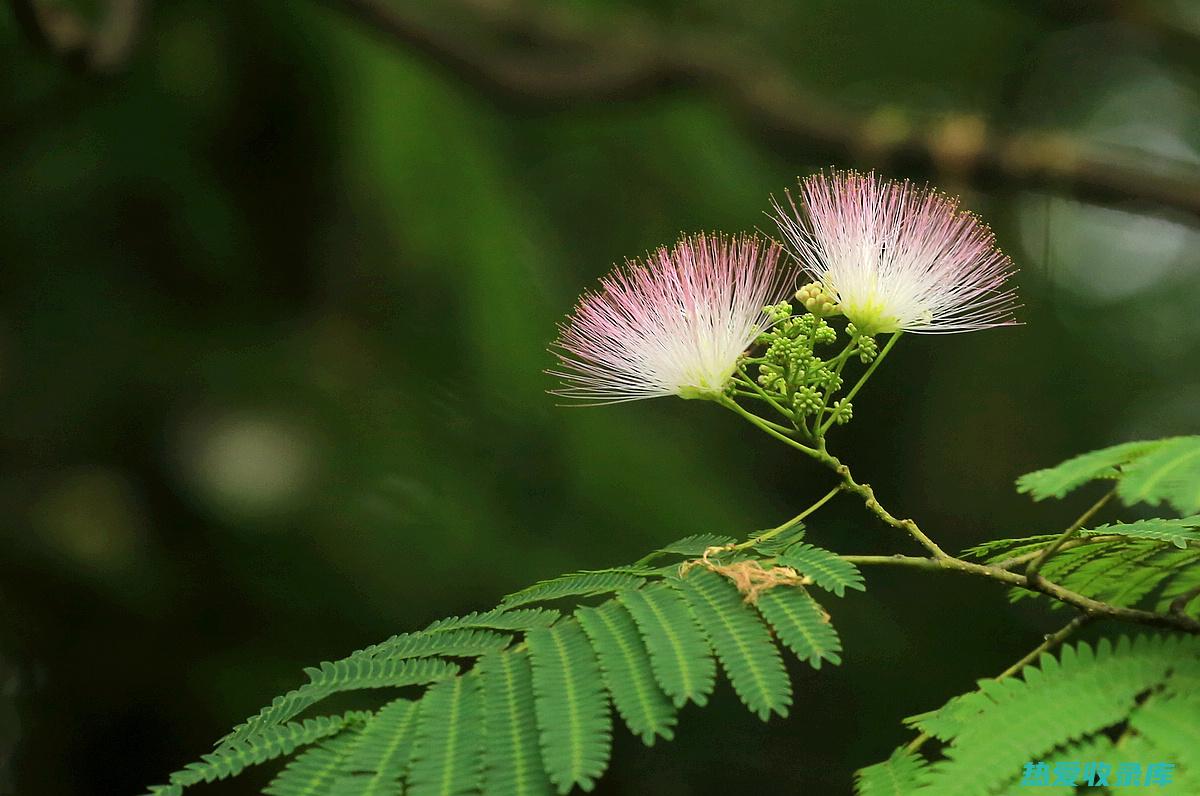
{"x": 314, "y": 772}
{"x": 997, "y": 549}
{"x": 1123, "y": 572}
{"x": 741, "y": 641}
{"x": 271, "y": 743}
{"x": 1099, "y": 572}
{"x": 1183, "y": 585}
{"x": 498, "y": 619}
{"x": 1138, "y": 748}
{"x": 448, "y": 754}
{"x": 827, "y": 570}
{"x": 801, "y": 624}
{"x": 627, "y": 671}
{"x": 344, "y": 675}
{"x": 572, "y": 707}
{"x": 899, "y": 775}
{"x": 691, "y": 546}
{"x": 1057, "y": 481}
{"x": 1146, "y": 573}
{"x": 1010, "y": 722}
{"x": 1153, "y": 471}
{"x": 1120, "y": 563}
{"x": 778, "y": 544}
{"x": 679, "y": 654}
{"x": 948, "y": 720}
{"x": 459, "y": 642}
{"x": 1172, "y": 723}
{"x": 1083, "y": 565}
{"x": 1180, "y": 532}
{"x": 512, "y": 760}
{"x": 380, "y": 758}
{"x": 1169, "y": 473}
{"x": 1092, "y": 748}
{"x": 581, "y": 584}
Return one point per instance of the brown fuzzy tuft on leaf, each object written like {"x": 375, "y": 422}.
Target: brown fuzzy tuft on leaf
{"x": 750, "y": 577}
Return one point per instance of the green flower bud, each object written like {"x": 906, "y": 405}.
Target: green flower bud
{"x": 825, "y": 334}
{"x": 778, "y": 312}
{"x": 831, "y": 380}
{"x": 868, "y": 349}
{"x": 843, "y": 412}
{"x": 807, "y": 401}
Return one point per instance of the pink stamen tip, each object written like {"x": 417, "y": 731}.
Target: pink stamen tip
{"x": 674, "y": 324}
{"x": 898, "y": 257}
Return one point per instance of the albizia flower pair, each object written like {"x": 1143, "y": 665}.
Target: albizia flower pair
{"x": 889, "y": 256}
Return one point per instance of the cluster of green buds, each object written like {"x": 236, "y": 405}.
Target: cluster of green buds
{"x": 790, "y": 369}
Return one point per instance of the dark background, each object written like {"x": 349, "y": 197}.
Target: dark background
{"x": 277, "y": 289}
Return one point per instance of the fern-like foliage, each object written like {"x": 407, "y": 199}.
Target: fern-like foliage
{"x": 900, "y": 774}
{"x": 679, "y": 655}
{"x": 513, "y": 761}
{"x": 695, "y": 545}
{"x": 1170, "y": 473}
{"x": 1156, "y": 471}
{"x": 383, "y": 751}
{"x": 448, "y": 752}
{"x": 571, "y": 705}
{"x": 1105, "y": 463}
{"x": 497, "y": 619}
{"x": 1140, "y": 691}
{"x": 233, "y": 758}
{"x": 345, "y": 675}
{"x": 742, "y": 643}
{"x": 519, "y": 699}
{"x": 581, "y": 584}
{"x": 781, "y": 542}
{"x": 317, "y": 770}
{"x": 628, "y": 673}
{"x": 1146, "y": 563}
{"x": 802, "y": 625}
{"x": 1179, "y": 532}
{"x": 826, "y": 569}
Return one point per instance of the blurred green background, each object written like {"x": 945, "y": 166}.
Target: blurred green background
{"x": 277, "y": 293}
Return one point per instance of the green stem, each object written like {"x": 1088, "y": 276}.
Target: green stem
{"x": 767, "y": 427}
{"x": 1179, "y": 604}
{"x": 1025, "y": 558}
{"x": 763, "y": 393}
{"x": 1035, "y": 566}
{"x": 862, "y": 380}
{"x": 864, "y": 491}
{"x": 1048, "y": 643}
{"x": 874, "y": 506}
{"x": 1039, "y": 585}
{"x": 789, "y": 524}
{"x": 840, "y": 364}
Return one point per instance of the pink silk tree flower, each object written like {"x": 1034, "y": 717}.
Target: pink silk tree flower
{"x": 672, "y": 325}
{"x": 897, "y": 257}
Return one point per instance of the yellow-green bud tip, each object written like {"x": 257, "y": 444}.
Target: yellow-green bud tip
{"x": 814, "y": 299}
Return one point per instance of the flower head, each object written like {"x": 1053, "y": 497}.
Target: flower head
{"x": 896, "y": 257}
{"x": 672, "y": 325}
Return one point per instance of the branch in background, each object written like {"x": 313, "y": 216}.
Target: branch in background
{"x": 545, "y": 56}
{"x": 1169, "y": 22}
{"x": 101, "y": 49}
